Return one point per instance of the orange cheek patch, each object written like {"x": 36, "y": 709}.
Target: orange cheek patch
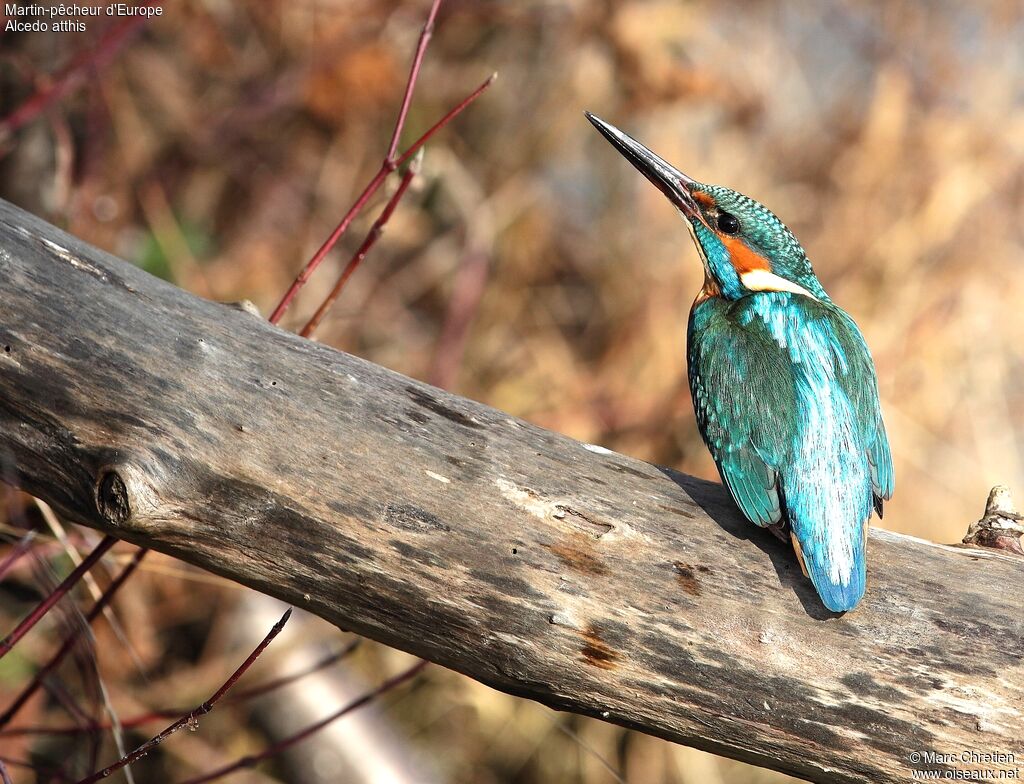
{"x": 702, "y": 198}
{"x": 742, "y": 257}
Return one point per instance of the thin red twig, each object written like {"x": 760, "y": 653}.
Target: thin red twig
{"x": 386, "y": 168}
{"x": 285, "y": 680}
{"x": 390, "y": 164}
{"x": 318, "y": 257}
{"x": 72, "y": 638}
{"x": 452, "y": 113}
{"x": 364, "y": 197}
{"x": 69, "y": 582}
{"x": 23, "y": 546}
{"x": 65, "y": 80}
{"x": 191, "y": 718}
{"x": 286, "y": 743}
{"x": 410, "y": 84}
{"x": 357, "y": 258}
{"x": 233, "y": 699}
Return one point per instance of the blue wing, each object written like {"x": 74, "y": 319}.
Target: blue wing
{"x": 737, "y": 427}
{"x": 882, "y": 478}
{"x": 787, "y": 402}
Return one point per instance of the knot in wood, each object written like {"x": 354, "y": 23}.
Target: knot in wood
{"x": 112, "y": 500}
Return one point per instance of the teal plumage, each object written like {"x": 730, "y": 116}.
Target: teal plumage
{"x": 782, "y": 382}
{"x": 784, "y": 392}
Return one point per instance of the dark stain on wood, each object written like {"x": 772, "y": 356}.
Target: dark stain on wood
{"x": 595, "y": 650}
{"x": 417, "y": 416}
{"x": 509, "y": 611}
{"x": 665, "y": 657}
{"x": 271, "y": 516}
{"x": 506, "y": 584}
{"x": 864, "y": 683}
{"x": 577, "y": 553}
{"x": 469, "y": 467}
{"x": 686, "y": 576}
{"x": 421, "y": 398}
{"x": 417, "y": 554}
{"x": 412, "y": 518}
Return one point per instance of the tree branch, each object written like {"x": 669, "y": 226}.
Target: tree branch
{"x": 543, "y": 567}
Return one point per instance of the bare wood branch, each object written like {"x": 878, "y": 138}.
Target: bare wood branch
{"x": 547, "y": 568}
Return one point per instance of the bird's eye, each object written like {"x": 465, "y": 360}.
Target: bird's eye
{"x": 727, "y": 223}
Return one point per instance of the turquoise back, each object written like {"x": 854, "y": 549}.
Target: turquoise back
{"x": 787, "y": 402}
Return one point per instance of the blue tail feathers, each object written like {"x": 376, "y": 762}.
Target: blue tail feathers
{"x": 840, "y": 589}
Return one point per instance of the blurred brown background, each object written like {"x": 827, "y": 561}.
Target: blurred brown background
{"x": 534, "y": 270}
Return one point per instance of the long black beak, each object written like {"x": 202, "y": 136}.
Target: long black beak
{"x": 670, "y": 181}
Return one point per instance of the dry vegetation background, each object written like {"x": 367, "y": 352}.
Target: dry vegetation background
{"x": 534, "y": 270}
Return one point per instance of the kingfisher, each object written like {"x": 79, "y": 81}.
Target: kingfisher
{"x": 783, "y": 385}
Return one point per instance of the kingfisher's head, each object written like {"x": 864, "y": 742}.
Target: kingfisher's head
{"x": 744, "y": 247}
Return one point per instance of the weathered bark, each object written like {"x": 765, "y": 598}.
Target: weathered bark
{"x": 544, "y": 567}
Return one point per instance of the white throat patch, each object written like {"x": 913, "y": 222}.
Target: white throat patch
{"x": 763, "y": 280}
